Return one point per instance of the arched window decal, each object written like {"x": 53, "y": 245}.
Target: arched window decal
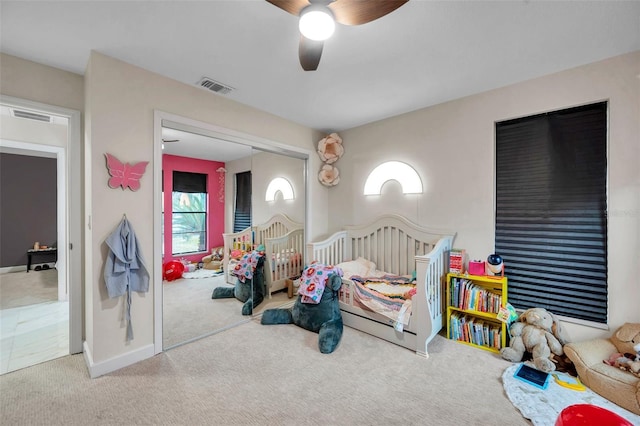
{"x": 403, "y": 173}
{"x": 282, "y": 185}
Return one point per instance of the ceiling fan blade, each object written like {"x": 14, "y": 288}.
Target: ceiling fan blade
{"x": 357, "y": 12}
{"x": 292, "y": 6}
{"x": 310, "y": 52}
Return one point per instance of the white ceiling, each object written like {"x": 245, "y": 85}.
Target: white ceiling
{"x": 194, "y": 145}
{"x": 424, "y": 53}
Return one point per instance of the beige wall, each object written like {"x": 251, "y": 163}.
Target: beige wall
{"x": 451, "y": 146}
{"x": 40, "y": 83}
{"x": 120, "y": 103}
{"x": 264, "y": 168}
{"x": 43, "y": 84}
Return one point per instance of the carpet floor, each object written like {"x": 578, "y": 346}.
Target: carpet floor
{"x": 254, "y": 374}
{"x": 190, "y": 313}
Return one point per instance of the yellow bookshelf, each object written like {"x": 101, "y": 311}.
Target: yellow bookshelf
{"x": 473, "y": 303}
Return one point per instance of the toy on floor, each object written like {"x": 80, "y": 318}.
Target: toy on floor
{"x": 250, "y": 287}
{"x": 314, "y": 312}
{"x": 172, "y": 270}
{"x": 539, "y": 332}
{"x": 627, "y": 341}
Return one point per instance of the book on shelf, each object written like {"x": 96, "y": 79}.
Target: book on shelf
{"x": 465, "y": 294}
{"x": 456, "y": 261}
{"x": 476, "y": 331}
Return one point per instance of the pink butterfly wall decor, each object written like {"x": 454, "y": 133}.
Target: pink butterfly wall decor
{"x": 125, "y": 174}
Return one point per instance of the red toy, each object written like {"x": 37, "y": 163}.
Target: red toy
{"x": 589, "y": 415}
{"x": 172, "y": 270}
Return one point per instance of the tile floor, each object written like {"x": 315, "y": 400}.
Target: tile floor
{"x": 33, "y": 334}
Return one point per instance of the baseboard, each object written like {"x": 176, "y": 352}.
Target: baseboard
{"x": 115, "y": 363}
{"x": 23, "y": 268}
{"x": 9, "y": 269}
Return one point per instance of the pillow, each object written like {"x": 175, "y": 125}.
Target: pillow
{"x": 360, "y": 266}
{"x": 369, "y": 264}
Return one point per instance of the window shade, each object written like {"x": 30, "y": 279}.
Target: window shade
{"x": 551, "y": 226}
{"x": 242, "y": 213}
{"x": 189, "y": 182}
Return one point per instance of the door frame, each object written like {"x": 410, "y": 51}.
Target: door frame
{"x": 70, "y": 213}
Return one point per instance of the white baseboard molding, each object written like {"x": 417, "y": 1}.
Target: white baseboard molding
{"x": 115, "y": 363}
{"x": 8, "y": 269}
{"x": 23, "y": 268}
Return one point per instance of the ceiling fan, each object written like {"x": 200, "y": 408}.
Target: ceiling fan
{"x": 318, "y": 17}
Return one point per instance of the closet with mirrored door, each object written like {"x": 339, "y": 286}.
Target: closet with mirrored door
{"x": 213, "y": 186}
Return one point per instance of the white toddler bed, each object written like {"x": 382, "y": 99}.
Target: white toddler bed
{"x": 390, "y": 245}
{"x": 283, "y": 240}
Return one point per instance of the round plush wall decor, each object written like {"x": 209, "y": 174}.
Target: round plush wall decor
{"x": 329, "y": 175}
{"x": 330, "y": 148}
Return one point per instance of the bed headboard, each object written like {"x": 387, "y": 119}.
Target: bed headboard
{"x": 391, "y": 241}
{"x": 279, "y": 225}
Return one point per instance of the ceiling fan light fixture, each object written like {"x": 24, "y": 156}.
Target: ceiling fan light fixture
{"x": 317, "y": 22}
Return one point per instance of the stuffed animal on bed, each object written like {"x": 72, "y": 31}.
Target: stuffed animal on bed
{"x": 627, "y": 341}
{"x": 538, "y": 332}
{"x": 249, "y": 287}
{"x": 322, "y": 317}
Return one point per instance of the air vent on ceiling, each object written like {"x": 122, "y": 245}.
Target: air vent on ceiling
{"x": 214, "y": 86}
{"x": 30, "y": 115}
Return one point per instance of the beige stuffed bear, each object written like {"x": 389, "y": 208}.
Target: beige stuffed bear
{"x": 539, "y": 332}
{"x": 627, "y": 341}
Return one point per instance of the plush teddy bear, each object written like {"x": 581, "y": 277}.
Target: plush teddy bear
{"x": 627, "y": 341}
{"x": 251, "y": 291}
{"x": 539, "y": 332}
{"x": 323, "y": 318}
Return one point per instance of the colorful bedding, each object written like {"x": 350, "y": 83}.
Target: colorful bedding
{"x": 388, "y": 295}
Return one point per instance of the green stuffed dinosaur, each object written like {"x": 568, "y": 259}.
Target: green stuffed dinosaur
{"x": 250, "y": 291}
{"x": 323, "y": 318}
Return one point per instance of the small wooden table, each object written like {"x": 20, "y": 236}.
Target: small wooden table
{"x": 32, "y": 252}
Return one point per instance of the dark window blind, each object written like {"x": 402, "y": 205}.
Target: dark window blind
{"x": 190, "y": 182}
{"x": 242, "y": 211}
{"x": 551, "y": 224}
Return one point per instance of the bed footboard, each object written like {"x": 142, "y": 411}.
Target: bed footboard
{"x": 431, "y": 270}
{"x": 331, "y": 251}
{"x": 284, "y": 259}
{"x": 242, "y": 240}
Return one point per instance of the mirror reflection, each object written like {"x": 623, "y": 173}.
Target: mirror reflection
{"x": 221, "y": 220}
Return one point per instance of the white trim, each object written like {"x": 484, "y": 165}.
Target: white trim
{"x": 115, "y": 363}
{"x": 189, "y": 125}
{"x": 160, "y": 119}
{"x": 157, "y": 232}
{"x": 9, "y": 269}
{"x": 71, "y": 214}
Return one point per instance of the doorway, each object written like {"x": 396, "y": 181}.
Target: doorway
{"x": 225, "y": 141}
{"x": 49, "y": 325}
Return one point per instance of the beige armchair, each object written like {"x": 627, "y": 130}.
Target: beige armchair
{"x": 214, "y": 260}
{"x": 618, "y": 386}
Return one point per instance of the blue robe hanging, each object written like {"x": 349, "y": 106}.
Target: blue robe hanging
{"x": 124, "y": 270}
